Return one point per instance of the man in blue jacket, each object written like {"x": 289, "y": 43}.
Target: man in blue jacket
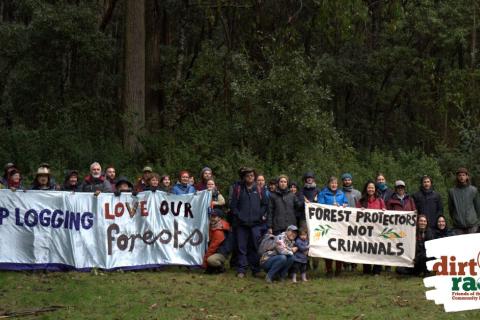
{"x": 249, "y": 207}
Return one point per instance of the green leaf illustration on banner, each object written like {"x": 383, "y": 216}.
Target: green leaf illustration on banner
{"x": 391, "y": 234}
{"x": 321, "y": 231}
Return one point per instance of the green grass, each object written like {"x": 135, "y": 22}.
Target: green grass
{"x": 176, "y": 293}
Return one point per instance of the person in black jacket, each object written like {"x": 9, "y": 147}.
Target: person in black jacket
{"x": 310, "y": 189}
{"x": 428, "y": 201}
{"x": 71, "y": 182}
{"x": 423, "y": 234}
{"x": 282, "y": 207}
{"x": 249, "y": 208}
{"x": 441, "y": 230}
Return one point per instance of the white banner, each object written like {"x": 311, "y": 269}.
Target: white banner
{"x": 361, "y": 236}
{"x": 52, "y": 229}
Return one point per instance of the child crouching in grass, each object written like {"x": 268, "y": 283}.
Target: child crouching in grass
{"x": 300, "y": 258}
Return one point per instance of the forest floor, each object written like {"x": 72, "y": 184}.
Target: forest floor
{"x": 178, "y": 293}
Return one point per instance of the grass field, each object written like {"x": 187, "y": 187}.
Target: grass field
{"x": 177, "y": 293}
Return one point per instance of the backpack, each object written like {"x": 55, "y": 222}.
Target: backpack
{"x": 238, "y": 188}
{"x": 268, "y": 243}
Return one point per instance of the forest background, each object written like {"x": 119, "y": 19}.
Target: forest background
{"x": 284, "y": 86}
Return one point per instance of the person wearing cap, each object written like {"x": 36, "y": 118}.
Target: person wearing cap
{"x": 464, "y": 204}
{"x": 282, "y": 207}
{"x": 332, "y": 195}
{"x": 277, "y": 260}
{"x": 42, "y": 180}
{"x": 205, "y": 175}
{"x": 95, "y": 182}
{"x": 352, "y": 194}
{"x": 249, "y": 208}
{"x": 219, "y": 244}
{"x": 383, "y": 189}
{"x": 310, "y": 190}
{"x": 183, "y": 185}
{"x": 142, "y": 181}
{"x": 71, "y": 182}
{"x": 401, "y": 200}
{"x": 428, "y": 201}
{"x": 123, "y": 185}
{"x": 111, "y": 176}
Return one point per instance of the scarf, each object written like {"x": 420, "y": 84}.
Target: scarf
{"x": 348, "y": 189}
{"x": 310, "y": 185}
{"x": 382, "y": 186}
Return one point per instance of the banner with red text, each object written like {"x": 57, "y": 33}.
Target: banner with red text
{"x": 361, "y": 235}
{"x": 63, "y": 230}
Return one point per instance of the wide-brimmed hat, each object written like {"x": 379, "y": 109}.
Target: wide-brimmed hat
{"x": 43, "y": 171}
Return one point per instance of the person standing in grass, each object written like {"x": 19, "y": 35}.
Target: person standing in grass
{"x": 142, "y": 181}
{"x": 371, "y": 200}
{"x": 332, "y": 195}
{"x": 464, "y": 204}
{"x": 95, "y": 181}
{"x": 217, "y": 199}
{"x": 153, "y": 182}
{"x": 249, "y": 208}
{"x": 353, "y": 195}
{"x": 300, "y": 257}
{"x": 282, "y": 207}
{"x": 428, "y": 201}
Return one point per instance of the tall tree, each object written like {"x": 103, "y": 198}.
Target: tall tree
{"x": 134, "y": 79}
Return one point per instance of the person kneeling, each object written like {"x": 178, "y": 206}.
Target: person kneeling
{"x": 219, "y": 246}
{"x": 278, "y": 253}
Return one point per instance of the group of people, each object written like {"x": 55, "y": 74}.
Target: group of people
{"x": 264, "y": 226}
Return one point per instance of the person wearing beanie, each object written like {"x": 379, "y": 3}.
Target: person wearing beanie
{"x": 205, "y": 175}
{"x": 464, "y": 204}
{"x": 352, "y": 194}
{"x": 428, "y": 201}
{"x": 310, "y": 190}
{"x": 219, "y": 243}
{"x": 282, "y": 208}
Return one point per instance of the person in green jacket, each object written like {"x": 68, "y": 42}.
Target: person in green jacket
{"x": 464, "y": 204}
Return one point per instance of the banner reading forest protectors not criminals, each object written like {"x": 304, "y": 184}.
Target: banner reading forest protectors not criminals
{"x": 361, "y": 236}
{"x": 57, "y": 230}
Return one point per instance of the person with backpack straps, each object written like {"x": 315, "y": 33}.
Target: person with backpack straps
{"x": 249, "y": 208}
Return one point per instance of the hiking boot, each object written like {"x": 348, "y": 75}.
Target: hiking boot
{"x": 241, "y": 275}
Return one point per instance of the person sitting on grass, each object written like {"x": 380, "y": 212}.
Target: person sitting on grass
{"x": 278, "y": 257}
{"x": 300, "y": 257}
{"x": 219, "y": 245}
{"x": 423, "y": 234}
{"x": 441, "y": 230}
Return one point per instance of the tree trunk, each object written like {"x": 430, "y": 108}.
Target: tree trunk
{"x": 153, "y": 94}
{"x": 134, "y": 80}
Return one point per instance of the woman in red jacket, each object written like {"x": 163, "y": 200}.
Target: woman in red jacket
{"x": 371, "y": 200}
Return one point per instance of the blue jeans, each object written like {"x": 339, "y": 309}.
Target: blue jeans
{"x": 247, "y": 244}
{"x": 278, "y": 265}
